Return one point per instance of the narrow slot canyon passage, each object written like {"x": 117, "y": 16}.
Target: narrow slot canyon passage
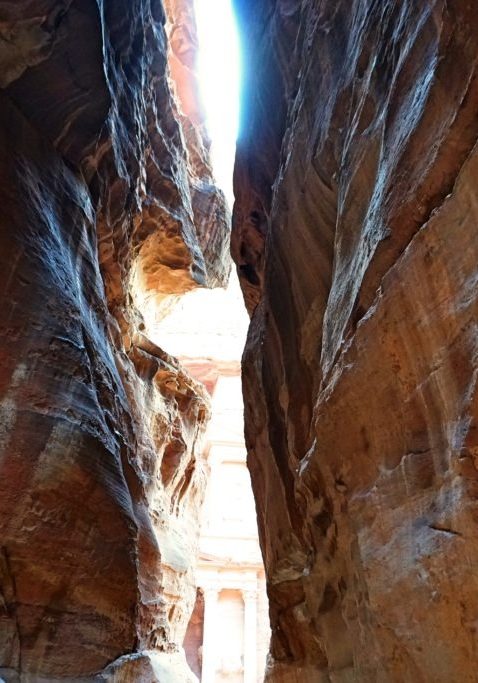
{"x": 228, "y": 636}
{"x": 238, "y": 396}
{"x": 227, "y": 639}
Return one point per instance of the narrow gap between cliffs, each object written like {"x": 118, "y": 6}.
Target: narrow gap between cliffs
{"x": 228, "y": 634}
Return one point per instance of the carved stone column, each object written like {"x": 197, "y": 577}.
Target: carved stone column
{"x": 250, "y": 636}
{"x": 209, "y": 647}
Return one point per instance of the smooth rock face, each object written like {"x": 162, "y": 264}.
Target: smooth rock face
{"x": 106, "y": 198}
{"x": 194, "y": 635}
{"x": 355, "y": 235}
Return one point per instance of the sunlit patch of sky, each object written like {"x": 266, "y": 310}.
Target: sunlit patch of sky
{"x": 219, "y": 67}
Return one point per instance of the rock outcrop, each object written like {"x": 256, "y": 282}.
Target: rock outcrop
{"x": 354, "y": 232}
{"x": 106, "y": 200}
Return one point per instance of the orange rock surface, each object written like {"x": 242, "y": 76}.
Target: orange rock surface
{"x": 106, "y": 199}
{"x": 354, "y": 232}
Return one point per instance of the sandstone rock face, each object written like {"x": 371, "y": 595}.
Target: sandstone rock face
{"x": 355, "y": 236}
{"x": 194, "y": 635}
{"x": 106, "y": 199}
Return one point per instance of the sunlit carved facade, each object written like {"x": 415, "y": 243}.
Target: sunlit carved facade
{"x": 230, "y": 573}
{"x": 228, "y": 634}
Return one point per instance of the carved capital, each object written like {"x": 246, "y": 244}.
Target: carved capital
{"x": 249, "y": 595}
{"x": 211, "y": 593}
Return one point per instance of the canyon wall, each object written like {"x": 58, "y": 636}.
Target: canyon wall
{"x": 106, "y": 201}
{"x": 355, "y": 237}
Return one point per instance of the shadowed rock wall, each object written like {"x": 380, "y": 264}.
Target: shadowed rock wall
{"x": 355, "y": 236}
{"x": 106, "y": 198}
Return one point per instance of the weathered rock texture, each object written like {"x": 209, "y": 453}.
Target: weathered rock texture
{"x": 106, "y": 197}
{"x": 355, "y": 234}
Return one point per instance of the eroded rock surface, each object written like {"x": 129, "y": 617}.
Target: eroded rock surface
{"x": 355, "y": 236}
{"x": 106, "y": 199}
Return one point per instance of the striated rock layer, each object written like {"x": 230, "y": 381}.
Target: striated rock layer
{"x": 355, "y": 236}
{"x": 106, "y": 199}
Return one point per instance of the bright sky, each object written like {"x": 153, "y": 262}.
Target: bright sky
{"x": 191, "y": 329}
{"x": 219, "y": 77}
